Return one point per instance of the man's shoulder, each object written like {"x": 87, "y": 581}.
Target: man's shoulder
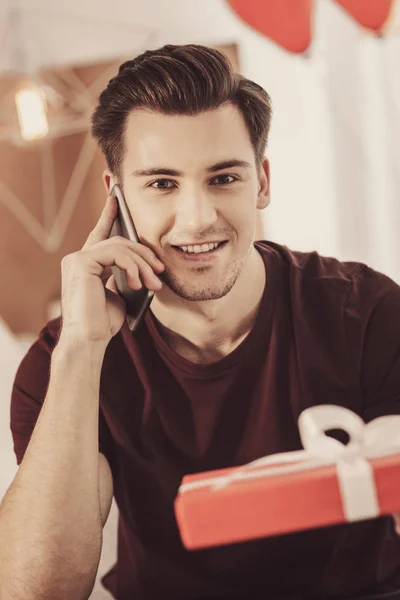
{"x": 50, "y": 332}
{"x": 311, "y": 265}
{"x": 33, "y": 370}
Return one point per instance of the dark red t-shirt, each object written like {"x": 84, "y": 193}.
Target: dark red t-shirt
{"x": 326, "y": 332}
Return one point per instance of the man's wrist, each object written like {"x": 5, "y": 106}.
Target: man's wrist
{"x": 70, "y": 347}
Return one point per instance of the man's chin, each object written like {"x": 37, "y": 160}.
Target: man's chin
{"x": 197, "y": 293}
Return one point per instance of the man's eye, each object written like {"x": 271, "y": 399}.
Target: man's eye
{"x": 224, "y": 179}
{"x": 161, "y": 184}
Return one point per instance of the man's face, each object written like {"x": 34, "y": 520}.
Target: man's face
{"x": 190, "y": 181}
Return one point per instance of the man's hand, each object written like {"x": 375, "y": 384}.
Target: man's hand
{"x": 91, "y": 307}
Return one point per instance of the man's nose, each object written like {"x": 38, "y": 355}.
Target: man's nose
{"x": 195, "y": 211}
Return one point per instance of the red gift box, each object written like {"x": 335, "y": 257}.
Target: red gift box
{"x": 326, "y": 483}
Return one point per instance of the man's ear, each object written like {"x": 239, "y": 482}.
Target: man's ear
{"x": 264, "y": 196}
{"x": 108, "y": 180}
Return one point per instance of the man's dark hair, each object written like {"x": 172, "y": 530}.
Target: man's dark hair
{"x": 177, "y": 80}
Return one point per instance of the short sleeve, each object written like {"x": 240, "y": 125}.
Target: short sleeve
{"x": 30, "y": 388}
{"x": 374, "y": 313}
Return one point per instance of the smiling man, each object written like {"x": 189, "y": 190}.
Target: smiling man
{"x": 240, "y": 338}
{"x": 185, "y": 194}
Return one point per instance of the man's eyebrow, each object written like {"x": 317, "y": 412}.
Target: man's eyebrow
{"x": 156, "y": 171}
{"x": 226, "y": 164}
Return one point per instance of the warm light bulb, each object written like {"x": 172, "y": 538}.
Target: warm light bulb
{"x": 31, "y": 110}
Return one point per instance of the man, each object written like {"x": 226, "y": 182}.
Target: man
{"x": 240, "y": 338}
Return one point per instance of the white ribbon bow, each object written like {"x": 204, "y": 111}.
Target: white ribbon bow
{"x": 380, "y": 437}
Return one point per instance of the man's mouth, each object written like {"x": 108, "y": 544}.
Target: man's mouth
{"x": 201, "y": 248}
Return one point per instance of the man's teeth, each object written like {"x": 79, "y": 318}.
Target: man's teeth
{"x": 197, "y": 249}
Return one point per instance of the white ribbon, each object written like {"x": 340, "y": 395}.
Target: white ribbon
{"x": 380, "y": 437}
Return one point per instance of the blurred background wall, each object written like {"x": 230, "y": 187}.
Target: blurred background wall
{"x": 335, "y": 169}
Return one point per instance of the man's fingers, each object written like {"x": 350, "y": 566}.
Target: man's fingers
{"x": 102, "y": 229}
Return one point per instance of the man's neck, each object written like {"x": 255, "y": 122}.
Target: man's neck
{"x": 205, "y": 332}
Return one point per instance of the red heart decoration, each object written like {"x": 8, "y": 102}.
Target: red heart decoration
{"x": 287, "y": 22}
{"x": 369, "y": 13}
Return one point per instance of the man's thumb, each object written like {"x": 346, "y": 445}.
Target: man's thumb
{"x": 111, "y": 285}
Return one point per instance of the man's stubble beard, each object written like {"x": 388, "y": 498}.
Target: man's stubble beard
{"x": 198, "y": 292}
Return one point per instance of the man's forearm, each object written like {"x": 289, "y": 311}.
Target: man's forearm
{"x": 50, "y": 522}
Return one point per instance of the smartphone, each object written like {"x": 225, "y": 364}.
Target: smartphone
{"x": 137, "y": 301}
